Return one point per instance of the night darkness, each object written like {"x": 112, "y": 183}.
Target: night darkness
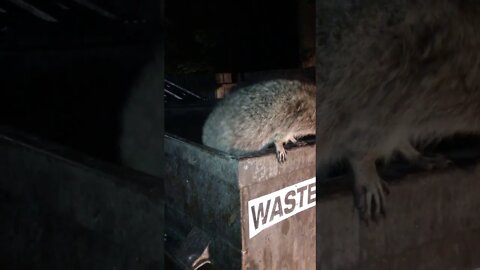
{"x": 231, "y": 36}
{"x": 67, "y": 81}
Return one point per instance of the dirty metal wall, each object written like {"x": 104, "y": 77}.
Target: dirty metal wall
{"x": 201, "y": 191}
{"x": 207, "y": 192}
{"x": 433, "y": 222}
{"x": 62, "y": 210}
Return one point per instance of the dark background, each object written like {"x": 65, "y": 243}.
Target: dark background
{"x": 219, "y": 36}
{"x": 67, "y": 80}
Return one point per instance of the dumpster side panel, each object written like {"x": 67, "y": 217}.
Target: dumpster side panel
{"x": 433, "y": 222}
{"x": 202, "y": 191}
{"x": 63, "y": 214}
{"x": 290, "y": 243}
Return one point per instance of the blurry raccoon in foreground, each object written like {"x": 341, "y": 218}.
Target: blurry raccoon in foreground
{"x": 141, "y": 141}
{"x": 253, "y": 117}
{"x": 400, "y": 75}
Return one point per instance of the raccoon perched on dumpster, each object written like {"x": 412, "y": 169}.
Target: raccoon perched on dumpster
{"x": 251, "y": 118}
{"x": 404, "y": 73}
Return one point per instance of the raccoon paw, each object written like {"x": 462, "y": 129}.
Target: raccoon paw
{"x": 370, "y": 198}
{"x": 281, "y": 155}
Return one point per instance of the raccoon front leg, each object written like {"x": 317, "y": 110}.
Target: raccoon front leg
{"x": 369, "y": 188}
{"x": 424, "y": 162}
{"x": 281, "y": 152}
{"x": 300, "y": 143}
{"x": 280, "y": 140}
{"x": 280, "y": 148}
{"x": 294, "y": 140}
{"x": 436, "y": 162}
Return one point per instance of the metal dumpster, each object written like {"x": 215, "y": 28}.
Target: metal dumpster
{"x": 433, "y": 216}
{"x": 62, "y": 210}
{"x": 247, "y": 212}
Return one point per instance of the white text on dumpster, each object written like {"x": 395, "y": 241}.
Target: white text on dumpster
{"x": 272, "y": 208}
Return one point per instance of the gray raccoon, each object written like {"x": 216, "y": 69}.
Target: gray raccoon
{"x": 255, "y": 116}
{"x": 396, "y": 77}
{"x": 141, "y": 141}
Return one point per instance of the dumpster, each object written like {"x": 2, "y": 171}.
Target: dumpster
{"x": 432, "y": 222}
{"x": 63, "y": 210}
{"x": 239, "y": 212}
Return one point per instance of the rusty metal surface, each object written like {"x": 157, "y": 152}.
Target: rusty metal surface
{"x": 254, "y": 170}
{"x": 289, "y": 244}
{"x": 208, "y": 191}
{"x": 433, "y": 222}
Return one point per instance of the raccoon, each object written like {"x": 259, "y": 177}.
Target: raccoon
{"x": 406, "y": 73}
{"x": 275, "y": 111}
{"x": 141, "y": 140}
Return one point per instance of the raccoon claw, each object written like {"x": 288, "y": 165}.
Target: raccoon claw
{"x": 281, "y": 153}
{"x": 282, "y": 156}
{"x": 370, "y": 200}
{"x": 436, "y": 162}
